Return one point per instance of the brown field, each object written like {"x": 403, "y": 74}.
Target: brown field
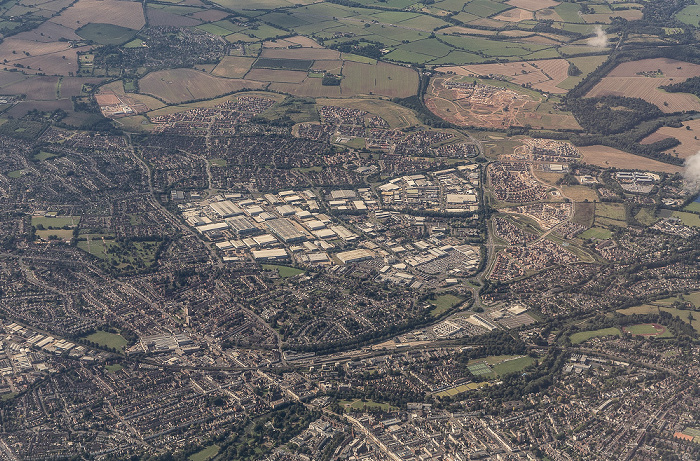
{"x": 210, "y": 15}
{"x": 515, "y": 15}
{"x": 291, "y": 41}
{"x": 52, "y": 32}
{"x": 310, "y": 87}
{"x": 543, "y": 75}
{"x": 179, "y": 85}
{"x": 21, "y": 109}
{"x": 56, "y": 5}
{"x": 72, "y": 86}
{"x": 380, "y": 79}
{"x": 532, "y": 5}
{"x": 119, "y": 13}
{"x": 158, "y": 17}
{"x": 467, "y": 31}
{"x": 669, "y": 67}
{"x": 38, "y": 88}
{"x": 608, "y": 157}
{"x": 9, "y": 78}
{"x": 548, "y": 13}
{"x": 689, "y": 143}
{"x": 280, "y": 76}
{"x": 47, "y": 58}
{"x": 300, "y": 53}
{"x": 579, "y": 193}
{"x": 233, "y": 66}
{"x": 647, "y": 88}
{"x": 335, "y": 66}
{"x": 539, "y": 39}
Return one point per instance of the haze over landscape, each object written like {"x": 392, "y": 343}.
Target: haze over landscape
{"x": 293, "y": 230}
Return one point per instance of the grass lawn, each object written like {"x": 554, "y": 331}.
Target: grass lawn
{"x": 113, "y": 368}
{"x": 107, "y": 339}
{"x": 650, "y": 309}
{"x": 284, "y": 271}
{"x": 689, "y": 219}
{"x": 693, "y": 207}
{"x": 513, "y": 365}
{"x": 8, "y": 396}
{"x": 221, "y": 162}
{"x": 646, "y": 216}
{"x": 596, "y": 233}
{"x": 582, "y": 336}
{"x": 648, "y": 329}
{"x": 460, "y": 389}
{"x": 360, "y": 405}
{"x": 15, "y": 174}
{"x": 61, "y": 234}
{"x": 614, "y": 211}
{"x": 204, "y": 455}
{"x": 57, "y": 222}
{"x": 43, "y": 155}
{"x": 443, "y": 303}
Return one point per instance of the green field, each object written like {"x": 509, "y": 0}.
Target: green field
{"x": 646, "y": 216}
{"x": 460, "y": 389}
{"x": 106, "y": 34}
{"x": 689, "y": 219}
{"x": 284, "y": 271}
{"x": 693, "y": 207}
{"x": 15, "y": 174}
{"x": 115, "y": 367}
{"x": 220, "y": 162}
{"x": 443, "y": 303}
{"x": 596, "y": 233}
{"x": 689, "y": 15}
{"x": 480, "y": 369}
{"x": 368, "y": 404}
{"x": 513, "y": 365}
{"x": 582, "y": 336}
{"x": 43, "y": 155}
{"x": 55, "y": 223}
{"x": 650, "y": 309}
{"x": 123, "y": 256}
{"x": 109, "y": 340}
{"x": 647, "y": 329}
{"x": 206, "y": 454}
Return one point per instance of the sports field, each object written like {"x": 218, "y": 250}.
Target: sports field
{"x": 578, "y": 338}
{"x": 648, "y": 329}
{"x": 106, "y": 339}
{"x": 596, "y": 233}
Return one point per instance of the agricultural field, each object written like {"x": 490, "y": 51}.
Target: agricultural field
{"x": 643, "y": 79}
{"x": 608, "y": 157}
{"x": 233, "y": 66}
{"x": 179, "y": 85}
{"x": 579, "y": 193}
{"x": 582, "y": 336}
{"x": 689, "y": 219}
{"x": 120, "y": 13}
{"x": 689, "y": 15}
{"x": 610, "y": 214}
{"x": 492, "y": 104}
{"x": 106, "y": 34}
{"x": 687, "y": 135}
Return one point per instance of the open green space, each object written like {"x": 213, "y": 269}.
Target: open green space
{"x": 283, "y": 271}
{"x": 106, "y": 34}
{"x": 443, "y": 303}
{"x": 480, "y": 369}
{"x": 460, "y": 389}
{"x": 113, "y": 368}
{"x": 582, "y": 336}
{"x": 43, "y": 155}
{"x": 220, "y": 162}
{"x": 689, "y": 15}
{"x": 367, "y": 404}
{"x": 596, "y": 233}
{"x": 57, "y": 222}
{"x": 648, "y": 329}
{"x": 109, "y": 340}
{"x": 655, "y": 309}
{"x": 206, "y": 454}
{"x": 693, "y": 207}
{"x": 646, "y": 216}
{"x": 513, "y": 365}
{"x": 689, "y": 219}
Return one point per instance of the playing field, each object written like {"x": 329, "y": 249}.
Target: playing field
{"x": 652, "y": 309}
{"x": 110, "y": 340}
{"x": 283, "y": 271}
{"x": 648, "y": 329}
{"x": 582, "y": 336}
{"x": 596, "y": 233}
